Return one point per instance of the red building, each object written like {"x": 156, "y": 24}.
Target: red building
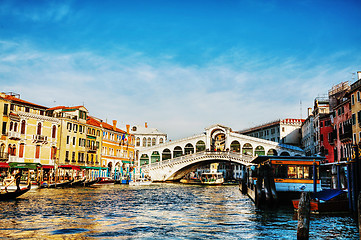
{"x": 326, "y": 130}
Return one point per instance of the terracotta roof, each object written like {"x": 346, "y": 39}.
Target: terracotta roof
{"x": 63, "y": 107}
{"x": 18, "y": 100}
{"x": 95, "y": 122}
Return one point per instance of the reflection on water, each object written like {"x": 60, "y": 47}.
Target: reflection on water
{"x": 161, "y": 211}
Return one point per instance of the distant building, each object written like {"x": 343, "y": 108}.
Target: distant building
{"x": 321, "y": 110}
{"x": 341, "y": 120}
{"x": 147, "y": 137}
{"x": 286, "y": 131}
{"x": 356, "y": 109}
{"x": 308, "y": 134}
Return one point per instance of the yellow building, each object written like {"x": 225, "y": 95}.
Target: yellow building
{"x": 117, "y": 153}
{"x": 355, "y": 94}
{"x": 28, "y": 135}
{"x": 79, "y": 142}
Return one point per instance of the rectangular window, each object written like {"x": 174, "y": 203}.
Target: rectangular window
{"x": 67, "y": 139}
{"x": 353, "y": 119}
{"x": 74, "y": 141}
{"x": 73, "y": 157}
{"x": 6, "y": 110}
{"x": 67, "y": 156}
{"x": 4, "y": 128}
{"x": 354, "y": 137}
{"x": 358, "y": 96}
{"x": 353, "y": 99}
{"x": 21, "y": 150}
{"x": 37, "y": 151}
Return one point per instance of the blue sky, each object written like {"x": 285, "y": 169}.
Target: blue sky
{"x": 181, "y": 66}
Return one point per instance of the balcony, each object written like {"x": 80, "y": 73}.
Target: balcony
{"x": 14, "y": 135}
{"x": 91, "y": 149}
{"x": 15, "y": 159}
{"x": 4, "y": 157}
{"x": 40, "y": 139}
{"x": 345, "y": 137}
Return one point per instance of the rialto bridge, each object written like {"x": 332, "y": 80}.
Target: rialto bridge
{"x": 171, "y": 161}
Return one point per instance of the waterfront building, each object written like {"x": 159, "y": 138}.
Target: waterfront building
{"x": 147, "y": 137}
{"x": 285, "y": 131}
{"x": 321, "y": 110}
{"x": 325, "y": 131}
{"x": 117, "y": 153}
{"x": 79, "y": 142}
{"x": 355, "y": 95}
{"x": 308, "y": 134}
{"x": 341, "y": 137}
{"x": 28, "y": 135}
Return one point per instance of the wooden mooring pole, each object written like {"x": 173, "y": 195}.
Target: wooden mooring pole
{"x": 303, "y": 226}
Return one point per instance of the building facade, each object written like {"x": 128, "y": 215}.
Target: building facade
{"x": 28, "y": 135}
{"x": 285, "y": 131}
{"x": 308, "y": 134}
{"x": 355, "y": 95}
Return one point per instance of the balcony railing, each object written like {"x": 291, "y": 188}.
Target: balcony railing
{"x": 91, "y": 149}
{"x": 347, "y": 136}
{"x": 40, "y": 138}
{"x": 13, "y": 135}
{"x": 14, "y": 159}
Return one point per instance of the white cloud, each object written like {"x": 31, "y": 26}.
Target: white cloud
{"x": 178, "y": 100}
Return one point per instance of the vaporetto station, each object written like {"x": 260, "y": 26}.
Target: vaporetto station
{"x": 171, "y": 161}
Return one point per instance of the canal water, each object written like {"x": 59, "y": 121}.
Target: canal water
{"x": 159, "y": 211}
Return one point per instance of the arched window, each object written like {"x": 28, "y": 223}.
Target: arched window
{"x": 149, "y": 142}
{"x": 16, "y": 127}
{"x": 153, "y": 141}
{"x": 144, "y": 142}
{"x": 13, "y": 151}
{"x": 144, "y": 159}
{"x": 284, "y": 154}
{"x": 161, "y": 140}
{"x": 138, "y": 142}
{"x": 23, "y": 124}
{"x": 11, "y": 126}
{"x": 177, "y": 152}
{"x": 53, "y": 132}
{"x": 200, "y": 146}
{"x": 235, "y": 146}
{"x": 166, "y": 154}
{"x": 247, "y": 149}
{"x": 155, "y": 157}
{"x": 259, "y": 151}
{"x": 38, "y": 131}
{"x": 272, "y": 152}
{"x": 189, "y": 149}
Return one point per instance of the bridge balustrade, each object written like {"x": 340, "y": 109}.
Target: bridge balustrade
{"x": 208, "y": 154}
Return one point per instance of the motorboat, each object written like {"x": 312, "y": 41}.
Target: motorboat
{"x": 212, "y": 178}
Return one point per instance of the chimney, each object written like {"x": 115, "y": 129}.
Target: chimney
{"x": 128, "y": 126}
{"x": 146, "y": 125}
{"x": 309, "y": 112}
{"x": 114, "y": 125}
{"x": 359, "y": 75}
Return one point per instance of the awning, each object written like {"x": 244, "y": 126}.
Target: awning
{"x": 97, "y": 168}
{"x": 70, "y": 167}
{"x": 25, "y": 165}
{"x": 4, "y": 165}
{"x": 47, "y": 166}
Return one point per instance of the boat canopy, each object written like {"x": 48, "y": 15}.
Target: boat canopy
{"x": 70, "y": 167}
{"x": 262, "y": 159}
{"x": 4, "y": 165}
{"x": 25, "y": 165}
{"x": 327, "y": 194}
{"x": 96, "y": 168}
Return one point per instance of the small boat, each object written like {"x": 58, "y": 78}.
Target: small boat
{"x": 77, "y": 183}
{"x": 191, "y": 181}
{"x": 140, "y": 182}
{"x": 105, "y": 180}
{"x": 57, "y": 184}
{"x": 326, "y": 201}
{"x": 212, "y": 178}
{"x": 13, "y": 194}
{"x": 88, "y": 183}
